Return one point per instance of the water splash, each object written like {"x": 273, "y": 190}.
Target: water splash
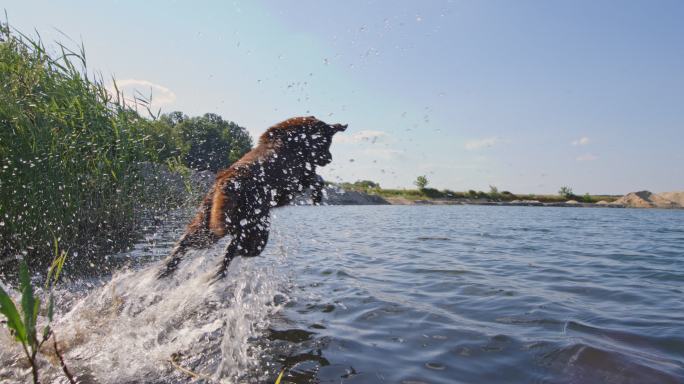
{"x": 136, "y": 327}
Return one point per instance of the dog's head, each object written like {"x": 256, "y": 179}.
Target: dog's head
{"x": 306, "y": 137}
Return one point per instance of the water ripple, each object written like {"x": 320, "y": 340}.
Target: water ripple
{"x": 493, "y": 294}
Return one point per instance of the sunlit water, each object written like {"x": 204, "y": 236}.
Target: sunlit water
{"x": 397, "y": 294}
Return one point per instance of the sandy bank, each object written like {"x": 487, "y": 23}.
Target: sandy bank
{"x": 647, "y": 199}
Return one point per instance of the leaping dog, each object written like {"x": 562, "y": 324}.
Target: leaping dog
{"x": 282, "y": 165}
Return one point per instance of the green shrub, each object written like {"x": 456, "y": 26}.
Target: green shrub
{"x": 508, "y": 196}
{"x": 366, "y": 186}
{"x": 566, "y": 192}
{"x": 449, "y": 194}
{"x": 432, "y": 193}
{"x": 410, "y": 194}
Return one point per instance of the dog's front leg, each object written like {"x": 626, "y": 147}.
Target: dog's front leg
{"x": 317, "y": 185}
{"x": 247, "y": 242}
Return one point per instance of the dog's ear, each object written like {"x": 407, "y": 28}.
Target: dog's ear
{"x": 338, "y": 127}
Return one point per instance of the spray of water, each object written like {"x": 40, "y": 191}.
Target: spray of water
{"x": 136, "y": 327}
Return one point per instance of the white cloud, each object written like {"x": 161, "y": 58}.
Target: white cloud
{"x": 361, "y": 136}
{"x": 587, "y": 157}
{"x": 132, "y": 88}
{"x": 476, "y": 144}
{"x": 581, "y": 141}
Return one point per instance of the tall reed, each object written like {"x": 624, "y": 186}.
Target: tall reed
{"x": 70, "y": 152}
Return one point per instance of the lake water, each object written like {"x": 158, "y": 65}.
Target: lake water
{"x": 397, "y": 294}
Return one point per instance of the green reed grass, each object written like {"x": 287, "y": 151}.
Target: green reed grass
{"x": 69, "y": 155}
{"x": 23, "y": 325}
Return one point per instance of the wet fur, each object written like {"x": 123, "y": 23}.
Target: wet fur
{"x": 282, "y": 165}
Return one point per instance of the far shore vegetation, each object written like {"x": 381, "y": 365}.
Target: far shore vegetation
{"x": 493, "y": 194}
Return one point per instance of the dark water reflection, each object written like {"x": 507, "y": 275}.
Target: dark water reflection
{"x": 472, "y": 294}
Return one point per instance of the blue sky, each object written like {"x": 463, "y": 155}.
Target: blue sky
{"x": 524, "y": 95}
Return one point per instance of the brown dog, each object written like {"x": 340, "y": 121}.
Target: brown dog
{"x": 280, "y": 166}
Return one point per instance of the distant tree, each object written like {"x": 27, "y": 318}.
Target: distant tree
{"x": 207, "y": 142}
{"x": 565, "y": 191}
{"x": 494, "y": 192}
{"x": 164, "y": 139}
{"x": 366, "y": 184}
{"x": 174, "y": 118}
{"x": 421, "y": 182}
{"x": 587, "y": 198}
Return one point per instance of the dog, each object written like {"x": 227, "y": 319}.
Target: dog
{"x": 282, "y": 165}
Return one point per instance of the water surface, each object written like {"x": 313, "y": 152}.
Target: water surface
{"x": 487, "y": 294}
{"x": 397, "y": 294}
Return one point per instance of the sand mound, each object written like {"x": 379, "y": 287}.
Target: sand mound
{"x": 646, "y": 199}
{"x": 677, "y": 197}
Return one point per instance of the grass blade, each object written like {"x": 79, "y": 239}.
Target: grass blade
{"x": 50, "y": 314}
{"x": 14, "y": 322}
{"x": 280, "y": 377}
{"x": 28, "y": 302}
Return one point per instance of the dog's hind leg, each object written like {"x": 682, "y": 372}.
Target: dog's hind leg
{"x": 229, "y": 254}
{"x": 172, "y": 261}
{"x": 189, "y": 240}
{"x": 196, "y": 236}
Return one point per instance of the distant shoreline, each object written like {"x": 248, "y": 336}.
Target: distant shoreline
{"x": 336, "y": 195}
{"x": 394, "y": 201}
